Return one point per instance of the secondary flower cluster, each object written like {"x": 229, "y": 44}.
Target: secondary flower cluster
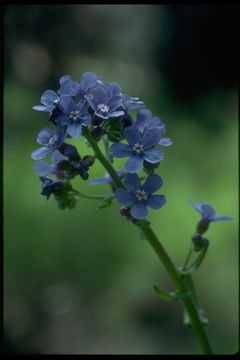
{"x": 98, "y": 110}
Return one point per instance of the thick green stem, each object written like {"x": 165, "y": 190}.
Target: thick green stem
{"x": 162, "y": 254}
{"x": 174, "y": 275}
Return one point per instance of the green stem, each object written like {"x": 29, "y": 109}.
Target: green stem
{"x": 188, "y": 257}
{"x": 162, "y": 254}
{"x": 189, "y": 303}
{"x": 94, "y": 197}
{"x": 116, "y": 179}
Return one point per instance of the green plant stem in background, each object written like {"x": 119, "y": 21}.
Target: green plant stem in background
{"x": 188, "y": 302}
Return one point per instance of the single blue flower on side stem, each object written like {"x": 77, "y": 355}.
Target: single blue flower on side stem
{"x": 208, "y": 215}
{"x": 140, "y": 147}
{"x": 138, "y": 196}
{"x": 74, "y": 116}
{"x": 51, "y": 141}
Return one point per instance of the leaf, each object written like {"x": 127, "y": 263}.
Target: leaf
{"x": 105, "y": 203}
{"x": 163, "y": 294}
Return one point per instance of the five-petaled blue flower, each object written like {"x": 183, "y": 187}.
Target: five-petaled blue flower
{"x": 140, "y": 147}
{"x": 104, "y": 102}
{"x": 208, "y": 213}
{"x": 70, "y": 87}
{"x": 145, "y": 120}
{"x": 51, "y": 141}
{"x": 49, "y": 100}
{"x": 138, "y": 196}
{"x": 73, "y": 115}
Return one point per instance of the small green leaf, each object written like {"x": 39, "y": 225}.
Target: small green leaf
{"x": 163, "y": 294}
{"x": 105, "y": 203}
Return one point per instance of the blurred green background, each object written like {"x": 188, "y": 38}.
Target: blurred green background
{"x": 80, "y": 281}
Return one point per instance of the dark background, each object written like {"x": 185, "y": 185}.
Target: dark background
{"x": 80, "y": 281}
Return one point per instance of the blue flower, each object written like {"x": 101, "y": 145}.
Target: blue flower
{"x": 104, "y": 104}
{"x": 138, "y": 196}
{"x": 208, "y": 213}
{"x": 49, "y": 100}
{"x": 106, "y": 179}
{"x": 140, "y": 147}
{"x": 51, "y": 141}
{"x": 70, "y": 87}
{"x": 73, "y": 115}
{"x": 43, "y": 168}
{"x": 145, "y": 120}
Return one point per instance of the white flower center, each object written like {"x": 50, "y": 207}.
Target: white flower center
{"x": 103, "y": 108}
{"x": 74, "y": 115}
{"x": 52, "y": 140}
{"x": 141, "y": 195}
{"x": 138, "y": 148}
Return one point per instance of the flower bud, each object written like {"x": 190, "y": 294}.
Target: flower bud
{"x": 125, "y": 211}
{"x": 199, "y": 242}
{"x": 202, "y": 226}
{"x": 127, "y": 120}
{"x": 97, "y": 131}
{"x": 87, "y": 161}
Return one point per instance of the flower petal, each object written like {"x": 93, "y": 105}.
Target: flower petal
{"x": 43, "y": 168}
{"x": 153, "y": 155}
{"x": 99, "y": 95}
{"x": 151, "y": 137}
{"x": 120, "y": 150}
{"x": 40, "y": 108}
{"x": 132, "y": 135}
{"x": 74, "y": 129}
{"x": 156, "y": 201}
{"x": 139, "y": 211}
{"x": 134, "y": 164}
{"x": 143, "y": 116}
{"x": 222, "y": 218}
{"x": 132, "y": 183}
{"x": 44, "y": 135}
{"x": 89, "y": 79}
{"x": 152, "y": 183}
{"x": 40, "y": 153}
{"x": 114, "y": 102}
{"x": 102, "y": 180}
{"x": 207, "y": 211}
{"x": 48, "y": 97}
{"x": 165, "y": 142}
{"x": 124, "y": 197}
{"x": 66, "y": 104}
{"x": 116, "y": 114}
{"x": 57, "y": 156}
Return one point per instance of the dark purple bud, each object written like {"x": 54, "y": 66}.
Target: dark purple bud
{"x": 127, "y": 120}
{"x": 87, "y": 161}
{"x": 70, "y": 151}
{"x": 96, "y": 120}
{"x": 97, "y": 131}
{"x": 199, "y": 242}
{"x": 125, "y": 211}
{"x": 202, "y": 226}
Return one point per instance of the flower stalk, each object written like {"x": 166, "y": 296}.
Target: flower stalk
{"x": 151, "y": 237}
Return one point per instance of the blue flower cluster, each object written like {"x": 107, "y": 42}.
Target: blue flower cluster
{"x": 92, "y": 107}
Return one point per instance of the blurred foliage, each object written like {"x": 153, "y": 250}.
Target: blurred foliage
{"x": 80, "y": 281}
